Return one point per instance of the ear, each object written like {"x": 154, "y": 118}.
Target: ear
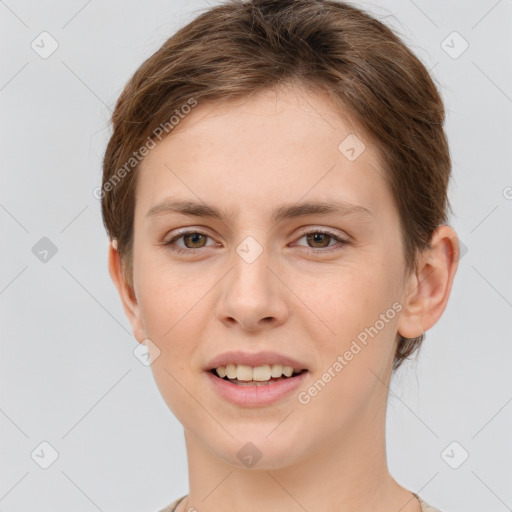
{"x": 126, "y": 292}
{"x": 428, "y": 289}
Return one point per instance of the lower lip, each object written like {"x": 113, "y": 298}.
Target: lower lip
{"x": 255, "y": 395}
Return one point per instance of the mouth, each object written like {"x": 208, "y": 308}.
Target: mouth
{"x": 255, "y": 379}
{"x": 263, "y": 375}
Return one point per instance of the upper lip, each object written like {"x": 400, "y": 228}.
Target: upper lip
{"x": 253, "y": 359}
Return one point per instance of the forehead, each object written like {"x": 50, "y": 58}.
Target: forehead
{"x": 259, "y": 150}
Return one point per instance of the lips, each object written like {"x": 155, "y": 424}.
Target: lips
{"x": 256, "y": 394}
{"x": 255, "y": 389}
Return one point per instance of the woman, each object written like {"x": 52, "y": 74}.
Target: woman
{"x": 275, "y": 190}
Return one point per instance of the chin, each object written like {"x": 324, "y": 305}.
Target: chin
{"x": 253, "y": 449}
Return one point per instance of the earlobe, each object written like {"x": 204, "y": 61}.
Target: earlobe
{"x": 428, "y": 289}
{"x": 126, "y": 293}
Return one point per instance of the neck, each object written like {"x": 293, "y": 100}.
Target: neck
{"x": 345, "y": 471}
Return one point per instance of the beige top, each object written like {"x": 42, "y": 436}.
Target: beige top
{"x": 425, "y": 507}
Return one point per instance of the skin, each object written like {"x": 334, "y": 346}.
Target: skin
{"x": 249, "y": 156}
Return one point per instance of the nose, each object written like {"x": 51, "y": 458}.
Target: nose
{"x": 252, "y": 297}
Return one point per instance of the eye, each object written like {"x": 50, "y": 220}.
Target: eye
{"x": 193, "y": 240}
{"x": 323, "y": 238}
{"x": 320, "y": 238}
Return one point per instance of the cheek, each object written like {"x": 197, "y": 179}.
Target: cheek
{"x": 353, "y": 363}
{"x": 170, "y": 310}
{"x": 166, "y": 297}
{"x": 359, "y": 307}
{"x": 346, "y": 300}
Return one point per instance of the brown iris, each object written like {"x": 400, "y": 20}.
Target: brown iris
{"x": 196, "y": 238}
{"x": 314, "y": 237}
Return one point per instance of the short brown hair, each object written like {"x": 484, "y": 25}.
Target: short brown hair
{"x": 240, "y": 47}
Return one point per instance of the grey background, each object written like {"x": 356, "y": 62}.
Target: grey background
{"x": 68, "y": 374}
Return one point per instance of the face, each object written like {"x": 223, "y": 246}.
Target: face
{"x": 268, "y": 281}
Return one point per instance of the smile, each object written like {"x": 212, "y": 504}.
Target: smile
{"x": 259, "y": 375}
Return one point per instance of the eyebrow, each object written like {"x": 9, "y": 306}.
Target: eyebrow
{"x": 280, "y": 213}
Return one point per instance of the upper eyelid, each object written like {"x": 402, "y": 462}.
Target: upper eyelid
{"x": 187, "y": 231}
{"x": 302, "y": 231}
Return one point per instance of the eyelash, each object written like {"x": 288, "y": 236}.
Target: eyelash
{"x": 328, "y": 249}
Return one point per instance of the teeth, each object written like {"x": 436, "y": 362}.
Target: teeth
{"x": 243, "y": 372}
{"x": 230, "y": 371}
{"x": 277, "y": 370}
{"x": 261, "y": 373}
{"x": 247, "y": 373}
{"x": 287, "y": 371}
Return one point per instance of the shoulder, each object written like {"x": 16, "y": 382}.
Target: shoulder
{"x": 172, "y": 506}
{"x": 425, "y": 507}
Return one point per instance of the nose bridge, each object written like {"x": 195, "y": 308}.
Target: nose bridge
{"x": 250, "y": 278}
